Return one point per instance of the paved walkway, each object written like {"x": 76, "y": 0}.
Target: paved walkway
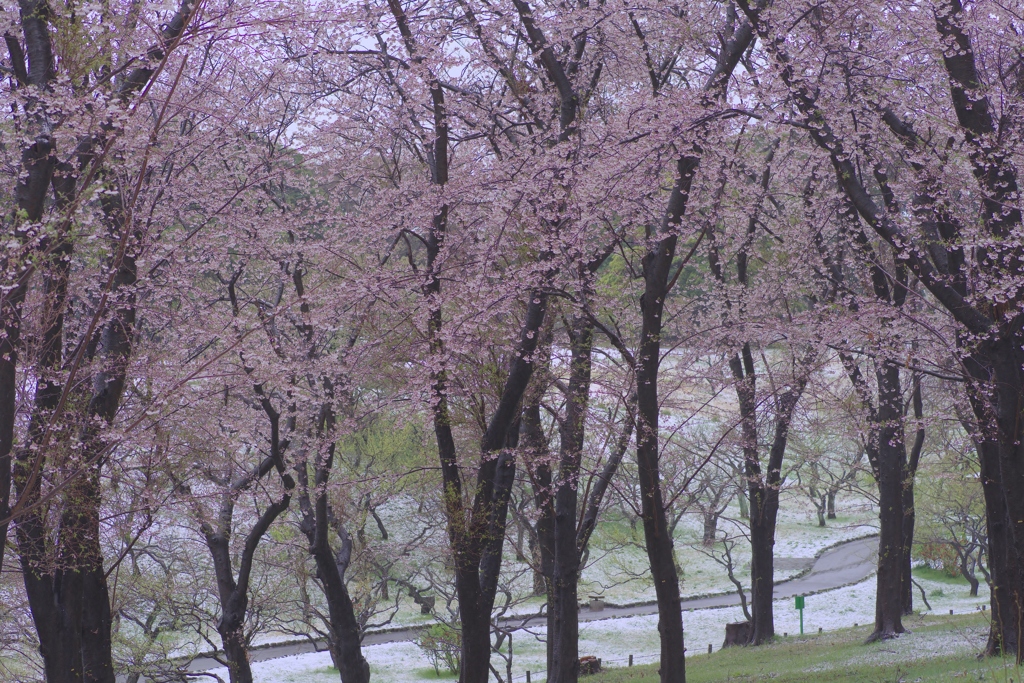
{"x": 845, "y": 564}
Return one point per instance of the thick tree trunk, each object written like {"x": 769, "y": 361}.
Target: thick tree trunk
{"x": 764, "y": 510}
{"x": 831, "y": 505}
{"x": 996, "y": 400}
{"x": 475, "y": 617}
{"x": 1005, "y": 578}
{"x": 889, "y": 580}
{"x": 232, "y": 640}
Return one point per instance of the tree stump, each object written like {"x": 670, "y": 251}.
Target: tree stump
{"x": 427, "y": 604}
{"x": 737, "y": 633}
{"x": 589, "y": 665}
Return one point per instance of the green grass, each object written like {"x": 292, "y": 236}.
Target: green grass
{"x": 938, "y": 576}
{"x": 431, "y": 675}
{"x": 940, "y": 648}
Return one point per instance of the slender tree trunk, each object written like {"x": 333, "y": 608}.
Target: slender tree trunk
{"x": 345, "y": 637}
{"x": 744, "y": 505}
{"x": 831, "y": 498}
{"x": 657, "y": 537}
{"x": 764, "y": 486}
{"x": 710, "y": 528}
{"x": 890, "y": 469}
{"x": 535, "y": 448}
{"x": 909, "y": 513}
{"x": 909, "y": 521}
{"x": 565, "y": 660}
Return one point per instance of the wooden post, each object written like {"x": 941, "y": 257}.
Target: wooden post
{"x": 527, "y": 677}
{"x": 709, "y": 648}
{"x": 631, "y": 660}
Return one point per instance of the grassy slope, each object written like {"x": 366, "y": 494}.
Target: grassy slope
{"x": 939, "y": 648}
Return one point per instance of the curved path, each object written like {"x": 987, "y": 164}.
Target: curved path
{"x": 845, "y": 564}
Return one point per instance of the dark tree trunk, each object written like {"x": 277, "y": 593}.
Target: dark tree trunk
{"x": 820, "y": 507}
{"x": 657, "y": 263}
{"x": 764, "y": 510}
{"x": 234, "y": 594}
{"x": 232, "y": 640}
{"x": 565, "y": 580}
{"x": 710, "y": 528}
{"x": 763, "y": 485}
{"x": 1004, "y": 572}
{"x": 535, "y": 447}
{"x": 890, "y": 472}
{"x": 996, "y": 398}
{"x": 831, "y": 498}
{"x": 657, "y": 536}
{"x": 967, "y": 572}
{"x": 345, "y": 637}
{"x": 476, "y": 532}
{"x": 909, "y": 513}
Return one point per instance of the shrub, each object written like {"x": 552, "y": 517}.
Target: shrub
{"x": 442, "y": 645}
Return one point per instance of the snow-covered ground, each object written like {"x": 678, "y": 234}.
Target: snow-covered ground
{"x": 622, "y": 575}
{"x": 615, "y": 639}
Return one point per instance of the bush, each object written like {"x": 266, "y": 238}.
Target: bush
{"x": 443, "y": 646}
{"x": 941, "y": 556}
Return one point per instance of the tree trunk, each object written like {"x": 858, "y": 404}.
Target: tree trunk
{"x": 909, "y": 521}
{"x": 744, "y": 505}
{"x": 831, "y": 505}
{"x": 233, "y": 641}
{"x": 764, "y": 510}
{"x": 996, "y": 398}
{"x": 763, "y": 485}
{"x": 909, "y": 513}
{"x": 535, "y": 448}
{"x": 890, "y": 471}
{"x": 475, "y": 617}
{"x": 657, "y": 538}
{"x": 710, "y": 528}
{"x": 565, "y": 584}
{"x": 968, "y": 573}
{"x": 344, "y": 638}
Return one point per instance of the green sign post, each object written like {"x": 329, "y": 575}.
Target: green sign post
{"x": 800, "y": 606}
